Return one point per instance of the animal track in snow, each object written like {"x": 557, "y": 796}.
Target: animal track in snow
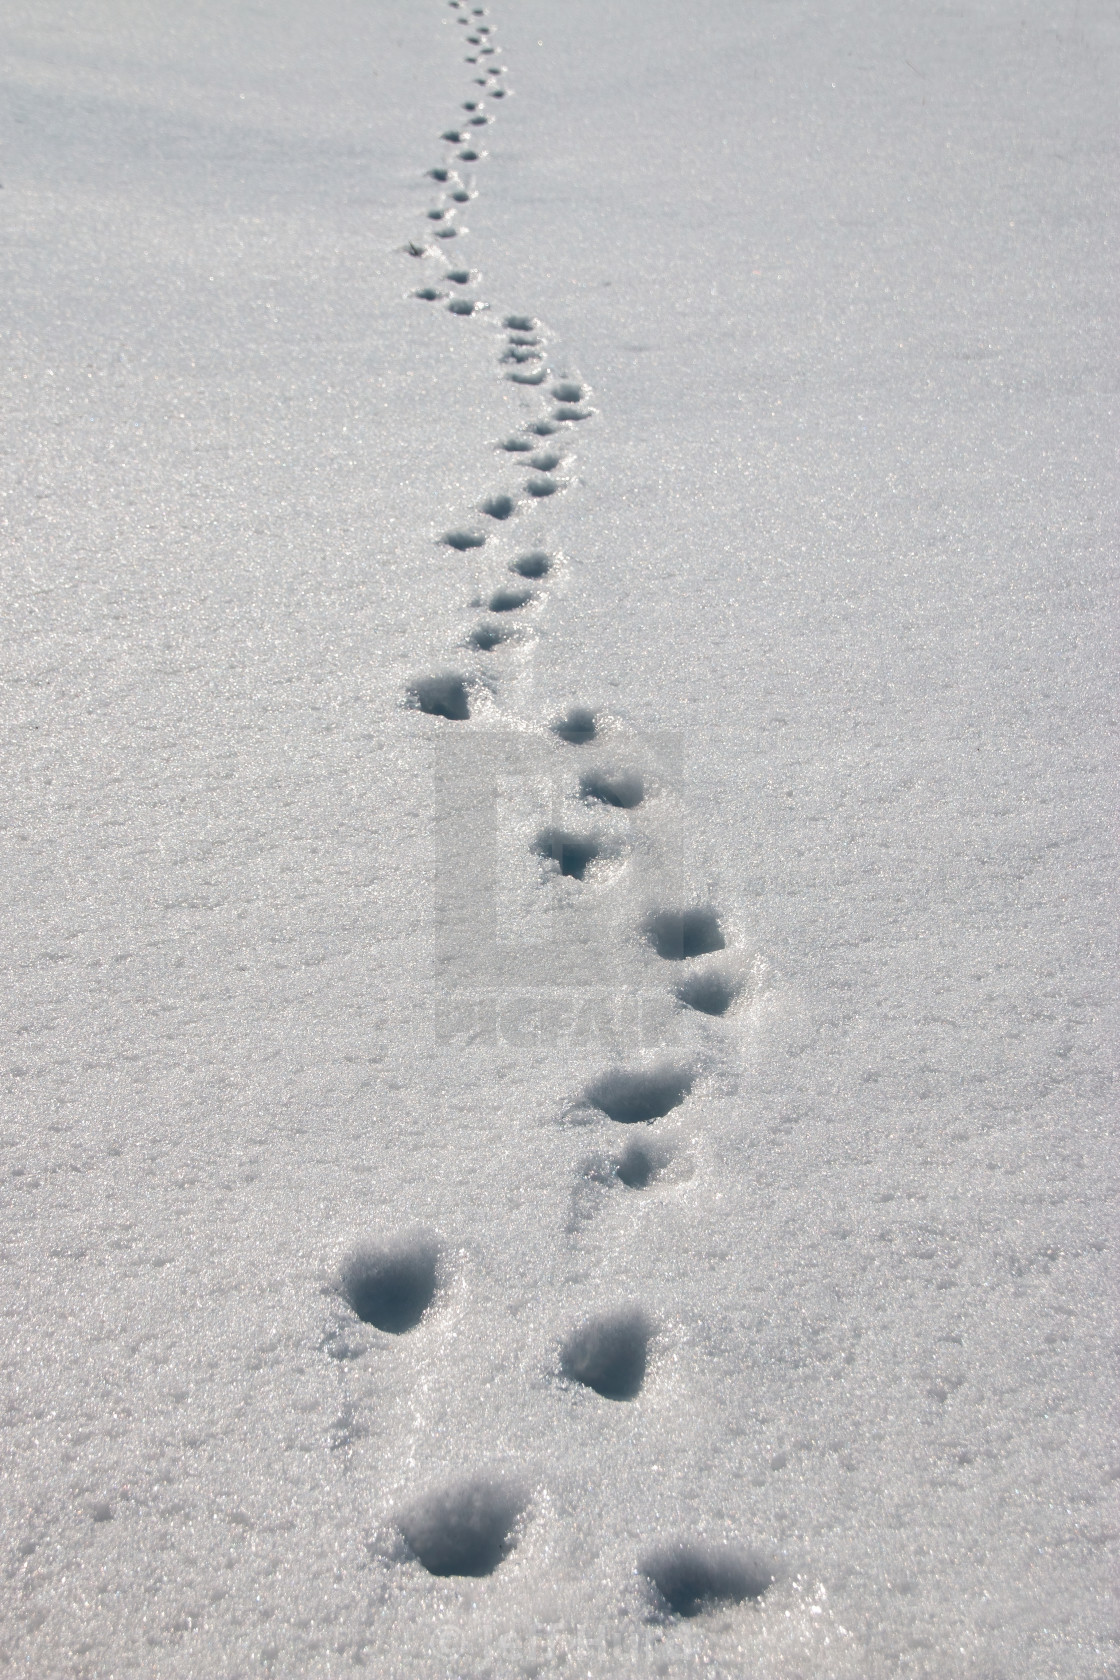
{"x": 632, "y": 1096}
{"x": 577, "y": 727}
{"x": 642, "y": 1163}
{"x": 515, "y": 353}
{"x": 623, "y": 789}
{"x": 570, "y": 852}
{"x": 498, "y": 507}
{"x": 428, "y": 293}
{"x": 470, "y": 155}
{"x": 391, "y": 1287}
{"x": 519, "y": 377}
{"x": 440, "y": 174}
{"x": 543, "y": 428}
{"x": 565, "y": 411}
{"x": 459, "y": 276}
{"x": 516, "y": 446}
{"x": 536, "y": 565}
{"x": 441, "y": 696}
{"x": 545, "y": 460}
{"x": 541, "y": 487}
{"x": 462, "y": 540}
{"x": 712, "y": 993}
{"x": 608, "y": 1353}
{"x": 520, "y": 323}
{"x": 465, "y": 1529}
{"x": 486, "y": 637}
{"x": 692, "y": 1577}
{"x": 509, "y": 600}
{"x": 567, "y": 392}
{"x": 679, "y": 934}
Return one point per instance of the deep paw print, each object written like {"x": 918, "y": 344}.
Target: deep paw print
{"x": 677, "y": 935}
{"x": 609, "y": 1353}
{"x": 630, "y": 1096}
{"x": 468, "y": 1528}
{"x": 391, "y": 1286}
{"x": 689, "y": 1577}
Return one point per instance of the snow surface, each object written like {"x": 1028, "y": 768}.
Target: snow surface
{"x": 321, "y": 1003}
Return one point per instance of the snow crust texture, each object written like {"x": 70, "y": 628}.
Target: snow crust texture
{"x": 558, "y": 1090}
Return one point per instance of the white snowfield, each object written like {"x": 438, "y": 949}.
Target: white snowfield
{"x": 558, "y": 765}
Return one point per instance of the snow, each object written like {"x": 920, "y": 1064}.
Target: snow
{"x": 719, "y": 1014}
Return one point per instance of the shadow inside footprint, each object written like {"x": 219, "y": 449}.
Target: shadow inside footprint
{"x": 441, "y": 696}
{"x": 577, "y": 728}
{"x": 566, "y": 391}
{"x": 622, "y": 789}
{"x": 428, "y": 293}
{"x": 459, "y": 276}
{"x": 643, "y": 1094}
{"x": 462, "y": 540}
{"x": 677, "y": 934}
{"x": 546, "y": 460}
{"x": 509, "y": 600}
{"x": 640, "y": 1164}
{"x": 536, "y": 565}
{"x": 570, "y": 852}
{"x": 498, "y": 507}
{"x": 541, "y": 487}
{"x": 516, "y": 446}
{"x": 520, "y": 323}
{"x": 391, "y": 1287}
{"x": 711, "y": 994}
{"x": 608, "y": 1353}
{"x": 465, "y": 1529}
{"x": 485, "y": 637}
{"x": 690, "y": 1578}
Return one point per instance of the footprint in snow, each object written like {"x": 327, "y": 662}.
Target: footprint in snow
{"x": 443, "y": 695}
{"x": 510, "y": 600}
{"x": 689, "y": 1577}
{"x": 712, "y": 993}
{"x": 677, "y": 935}
{"x": 466, "y": 1529}
{"x": 577, "y": 727}
{"x": 535, "y": 565}
{"x": 391, "y": 1286}
{"x": 622, "y": 789}
{"x": 571, "y": 853}
{"x": 609, "y": 1353}
{"x": 631, "y": 1096}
